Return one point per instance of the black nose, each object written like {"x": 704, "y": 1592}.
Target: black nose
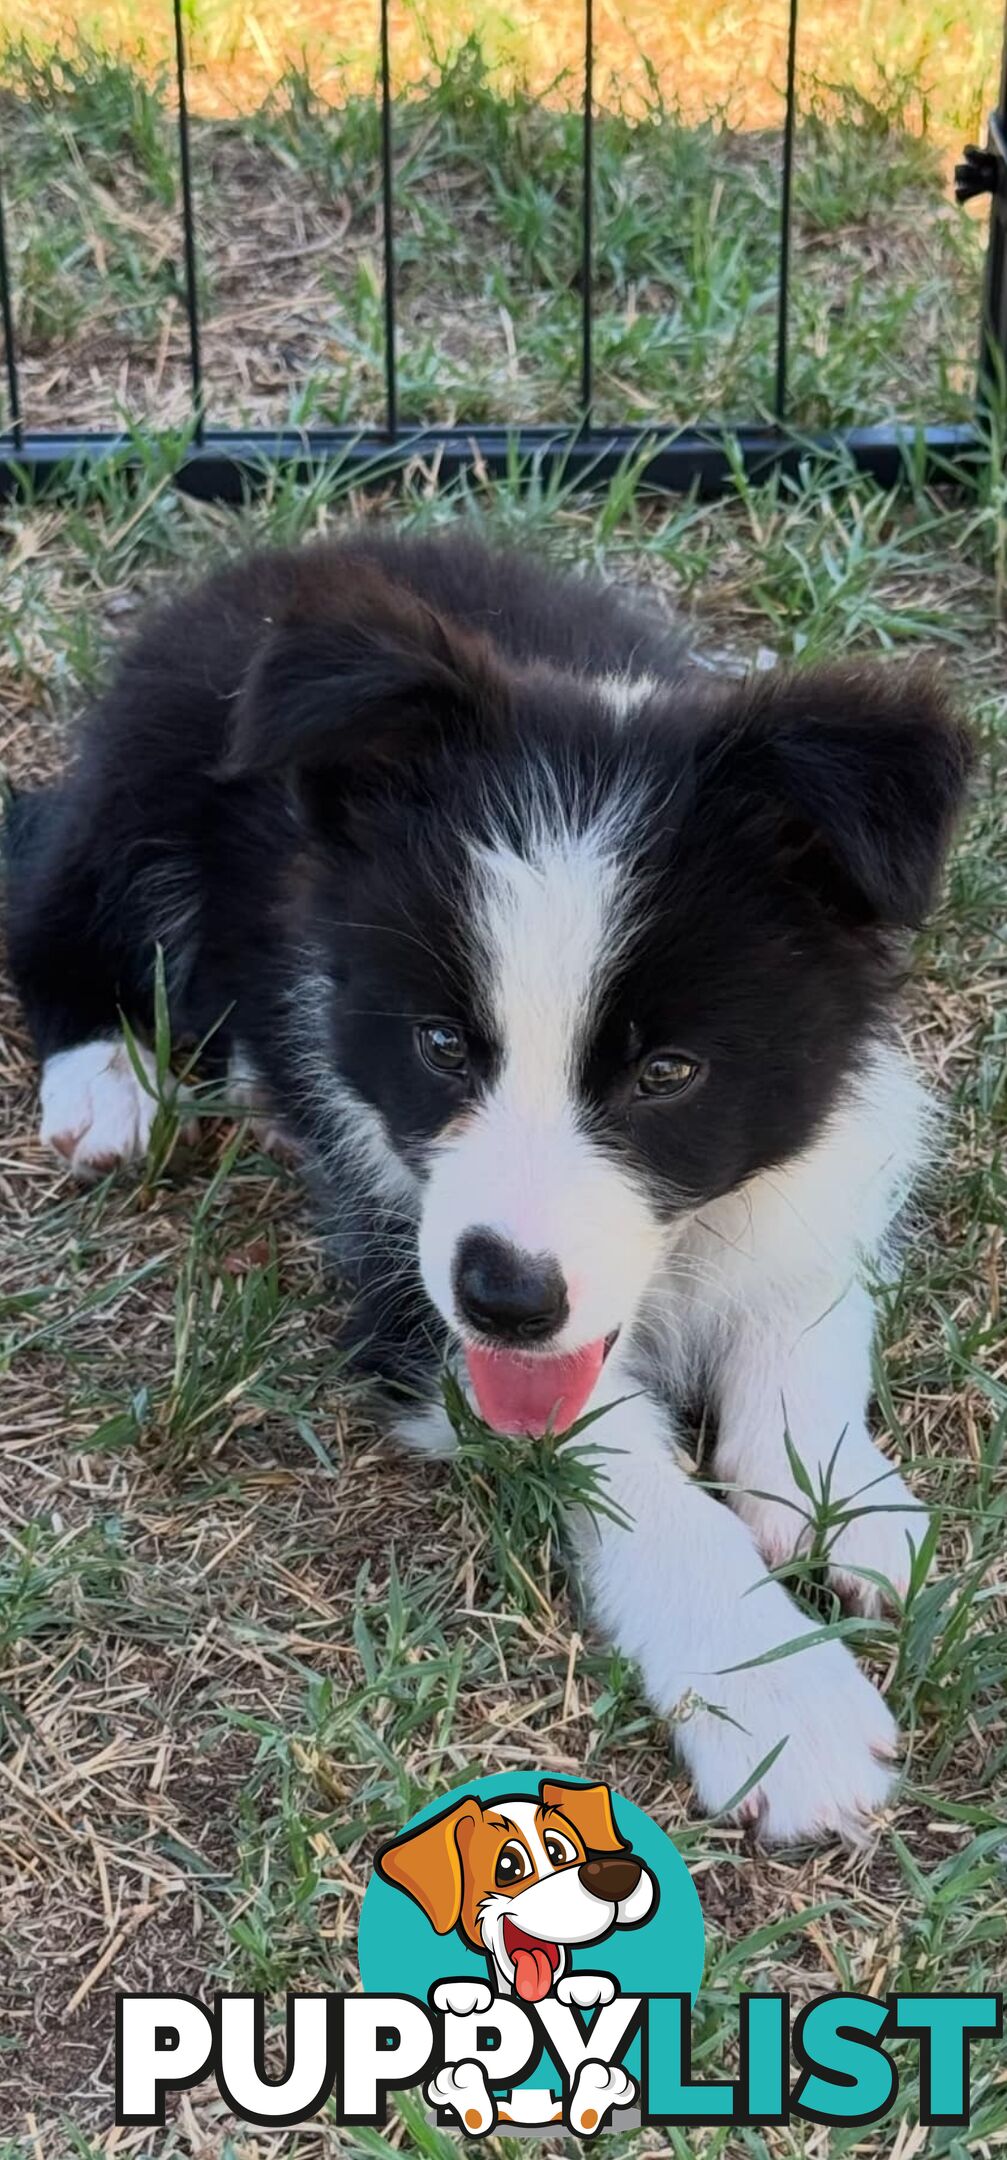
{"x": 611, "y": 1878}
{"x": 509, "y": 1295}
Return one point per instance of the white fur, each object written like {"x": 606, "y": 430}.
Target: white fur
{"x": 550, "y": 925}
{"x": 428, "y": 1430}
{"x": 683, "y": 1591}
{"x": 94, "y": 1111}
{"x": 624, "y": 695}
{"x": 817, "y": 1217}
{"x": 762, "y": 1294}
{"x": 758, "y": 1299}
{"x": 809, "y": 1379}
{"x": 539, "y": 1184}
{"x": 343, "y": 1126}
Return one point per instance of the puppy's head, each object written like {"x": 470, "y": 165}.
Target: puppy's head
{"x": 524, "y": 1879}
{"x": 580, "y": 974}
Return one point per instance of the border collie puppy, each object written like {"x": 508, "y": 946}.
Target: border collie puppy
{"x": 571, "y": 975}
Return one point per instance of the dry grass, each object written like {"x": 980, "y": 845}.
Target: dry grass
{"x": 239, "y": 1639}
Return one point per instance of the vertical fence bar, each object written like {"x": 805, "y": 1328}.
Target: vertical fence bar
{"x": 189, "y": 224}
{"x": 786, "y": 197}
{"x": 587, "y": 225}
{"x": 7, "y": 318}
{"x": 388, "y": 220}
{"x": 993, "y": 349}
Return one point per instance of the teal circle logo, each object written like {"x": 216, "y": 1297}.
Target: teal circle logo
{"x": 537, "y": 1891}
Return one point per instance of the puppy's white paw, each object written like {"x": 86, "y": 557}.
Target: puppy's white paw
{"x": 462, "y": 1998}
{"x": 598, "y": 2088}
{"x": 880, "y": 1541}
{"x": 836, "y": 1769}
{"x": 462, "y": 2087}
{"x": 429, "y": 1431}
{"x": 95, "y": 1112}
{"x": 884, "y": 1516}
{"x": 585, "y": 1991}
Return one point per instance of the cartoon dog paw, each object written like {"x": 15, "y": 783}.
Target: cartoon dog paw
{"x": 585, "y": 1991}
{"x": 597, "y": 2089}
{"x": 462, "y": 1998}
{"x": 462, "y": 2088}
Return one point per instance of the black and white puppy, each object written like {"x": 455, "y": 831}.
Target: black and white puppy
{"x": 572, "y": 975}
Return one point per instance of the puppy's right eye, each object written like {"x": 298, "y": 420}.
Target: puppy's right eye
{"x": 442, "y": 1047}
{"x": 512, "y": 1866}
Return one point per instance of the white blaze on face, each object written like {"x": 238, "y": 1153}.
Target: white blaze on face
{"x": 549, "y": 922}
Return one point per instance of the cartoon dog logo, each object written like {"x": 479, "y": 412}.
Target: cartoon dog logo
{"x": 527, "y": 1881}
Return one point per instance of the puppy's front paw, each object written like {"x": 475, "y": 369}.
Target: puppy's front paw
{"x": 429, "y": 1431}
{"x": 95, "y": 1112}
{"x": 877, "y": 1541}
{"x": 585, "y": 1991}
{"x": 599, "y": 2087}
{"x": 835, "y": 1770}
{"x": 462, "y": 2088}
{"x": 883, "y": 1517}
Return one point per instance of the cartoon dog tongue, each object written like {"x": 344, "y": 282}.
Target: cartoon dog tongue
{"x": 532, "y": 1972}
{"x": 533, "y": 1394}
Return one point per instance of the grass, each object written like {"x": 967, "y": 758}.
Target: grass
{"x": 240, "y": 1640}
{"x": 885, "y": 280}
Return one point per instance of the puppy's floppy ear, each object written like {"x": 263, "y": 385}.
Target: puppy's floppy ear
{"x": 589, "y": 1809}
{"x": 856, "y": 778}
{"x": 358, "y": 679}
{"x": 427, "y": 1865}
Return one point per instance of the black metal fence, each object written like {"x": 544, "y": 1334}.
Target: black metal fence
{"x": 221, "y": 462}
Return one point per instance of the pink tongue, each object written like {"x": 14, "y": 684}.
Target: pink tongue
{"x": 534, "y": 1395}
{"x": 532, "y": 1974}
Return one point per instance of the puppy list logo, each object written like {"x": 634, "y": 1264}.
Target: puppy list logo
{"x": 532, "y": 1906}
{"x": 531, "y": 1950}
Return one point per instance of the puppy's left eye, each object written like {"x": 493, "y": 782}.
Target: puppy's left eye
{"x": 560, "y": 1849}
{"x": 666, "y": 1073}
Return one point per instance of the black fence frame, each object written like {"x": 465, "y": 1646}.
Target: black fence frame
{"x": 221, "y": 463}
